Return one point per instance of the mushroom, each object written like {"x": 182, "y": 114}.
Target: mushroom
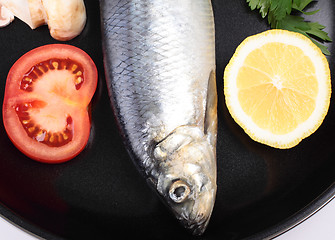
{"x": 6, "y": 16}
{"x": 65, "y": 18}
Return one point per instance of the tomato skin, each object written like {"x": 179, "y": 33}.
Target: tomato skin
{"x": 71, "y": 102}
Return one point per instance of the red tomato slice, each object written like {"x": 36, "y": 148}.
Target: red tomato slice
{"x": 45, "y": 109}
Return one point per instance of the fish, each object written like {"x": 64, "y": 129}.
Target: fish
{"x": 159, "y": 61}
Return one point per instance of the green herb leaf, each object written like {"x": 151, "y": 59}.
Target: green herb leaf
{"x": 262, "y": 5}
{"x": 281, "y": 8}
{"x": 279, "y": 16}
{"x": 300, "y": 4}
{"x": 316, "y": 30}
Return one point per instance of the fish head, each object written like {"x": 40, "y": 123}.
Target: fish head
{"x": 187, "y": 177}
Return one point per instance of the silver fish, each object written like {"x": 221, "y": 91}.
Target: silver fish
{"x": 159, "y": 58}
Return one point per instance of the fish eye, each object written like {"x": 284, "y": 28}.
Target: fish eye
{"x": 179, "y": 191}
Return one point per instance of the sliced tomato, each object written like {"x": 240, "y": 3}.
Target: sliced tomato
{"x": 45, "y": 108}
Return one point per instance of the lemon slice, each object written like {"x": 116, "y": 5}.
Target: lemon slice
{"x": 277, "y": 87}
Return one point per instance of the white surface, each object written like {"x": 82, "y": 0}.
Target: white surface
{"x": 9, "y": 231}
{"x": 319, "y": 226}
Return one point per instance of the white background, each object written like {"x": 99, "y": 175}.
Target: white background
{"x": 320, "y": 226}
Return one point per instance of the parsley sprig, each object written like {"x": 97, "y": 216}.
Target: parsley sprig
{"x": 282, "y": 14}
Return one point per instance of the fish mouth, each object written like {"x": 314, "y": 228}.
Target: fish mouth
{"x": 194, "y": 214}
{"x": 196, "y": 226}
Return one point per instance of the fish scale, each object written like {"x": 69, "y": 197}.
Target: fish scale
{"x": 159, "y": 61}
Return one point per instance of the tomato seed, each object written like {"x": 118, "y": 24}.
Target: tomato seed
{"x": 74, "y": 67}
{"x": 65, "y": 136}
{"x": 31, "y": 129}
{"x": 55, "y": 65}
{"x": 29, "y": 80}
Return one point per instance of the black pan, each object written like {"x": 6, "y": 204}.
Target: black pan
{"x": 262, "y": 191}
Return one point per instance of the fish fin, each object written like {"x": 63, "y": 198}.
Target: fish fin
{"x": 178, "y": 138}
{"x": 210, "y": 129}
